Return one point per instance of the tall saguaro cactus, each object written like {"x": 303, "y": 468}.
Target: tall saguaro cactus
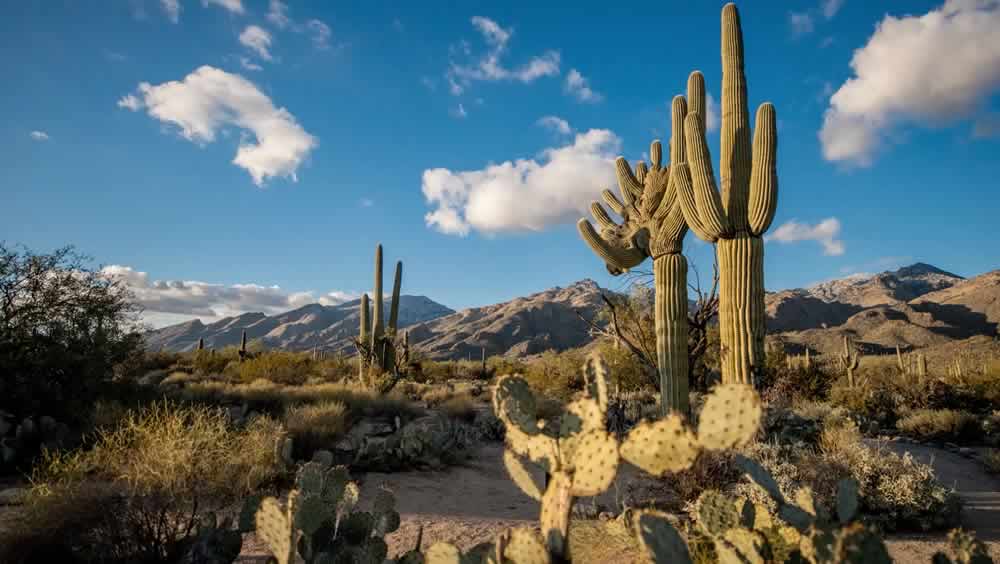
{"x": 653, "y": 226}
{"x": 735, "y": 218}
{"x": 376, "y": 343}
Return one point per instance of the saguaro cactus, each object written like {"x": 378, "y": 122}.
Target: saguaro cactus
{"x": 849, "y": 361}
{"x": 376, "y": 342}
{"x": 736, "y": 218}
{"x": 653, "y": 226}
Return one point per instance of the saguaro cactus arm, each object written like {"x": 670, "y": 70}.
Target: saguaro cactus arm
{"x": 394, "y": 304}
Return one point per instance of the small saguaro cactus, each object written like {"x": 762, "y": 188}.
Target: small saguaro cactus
{"x": 376, "y": 343}
{"x": 653, "y": 226}
{"x": 736, "y": 218}
{"x": 201, "y": 344}
{"x": 899, "y": 361}
{"x": 849, "y": 360}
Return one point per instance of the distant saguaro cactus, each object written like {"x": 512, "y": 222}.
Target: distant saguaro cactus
{"x": 377, "y": 344}
{"x": 653, "y": 226}
{"x": 736, "y": 218}
{"x": 849, "y": 360}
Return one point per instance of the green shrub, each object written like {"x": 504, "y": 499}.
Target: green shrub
{"x": 941, "y": 425}
{"x": 556, "y": 374}
{"x": 626, "y": 372}
{"x": 279, "y": 367}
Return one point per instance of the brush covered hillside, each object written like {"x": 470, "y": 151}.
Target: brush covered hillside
{"x": 914, "y": 307}
{"x": 522, "y": 326}
{"x": 313, "y": 326}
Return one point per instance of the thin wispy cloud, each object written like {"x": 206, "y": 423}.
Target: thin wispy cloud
{"x": 831, "y": 7}
{"x": 233, "y": 6}
{"x": 578, "y": 86}
{"x": 39, "y": 135}
{"x": 172, "y": 9}
{"x": 489, "y": 66}
{"x": 319, "y": 32}
{"x": 209, "y": 99}
{"x": 826, "y": 233}
{"x": 249, "y": 65}
{"x": 915, "y": 69}
{"x": 556, "y": 124}
{"x": 459, "y": 112}
{"x": 277, "y": 14}
{"x": 800, "y": 23}
{"x": 525, "y": 194}
{"x": 367, "y": 202}
{"x": 258, "y": 40}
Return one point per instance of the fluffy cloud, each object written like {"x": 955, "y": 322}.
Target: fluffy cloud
{"x": 578, "y": 86}
{"x": 826, "y": 233}
{"x": 556, "y": 124}
{"x": 831, "y": 7}
{"x": 320, "y": 34}
{"x": 801, "y": 23}
{"x": 488, "y": 67}
{"x": 209, "y": 99}
{"x": 172, "y": 8}
{"x": 174, "y": 300}
{"x": 277, "y": 14}
{"x": 258, "y": 40}
{"x": 932, "y": 69}
{"x": 39, "y": 135}
{"x": 526, "y": 194}
{"x": 234, "y": 6}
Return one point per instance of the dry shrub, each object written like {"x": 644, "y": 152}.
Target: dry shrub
{"x": 137, "y": 494}
{"x": 460, "y": 407}
{"x": 179, "y": 378}
{"x": 317, "y": 426}
{"x": 941, "y": 424}
{"x": 437, "y": 395}
{"x": 277, "y": 366}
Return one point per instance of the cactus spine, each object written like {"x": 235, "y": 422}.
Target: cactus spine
{"x": 849, "y": 361}
{"x": 653, "y": 226}
{"x": 736, "y": 218}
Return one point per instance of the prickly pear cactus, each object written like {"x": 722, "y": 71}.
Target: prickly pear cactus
{"x": 318, "y": 522}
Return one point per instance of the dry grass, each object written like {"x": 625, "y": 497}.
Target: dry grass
{"x": 179, "y": 378}
{"x": 941, "y": 424}
{"x": 460, "y": 407}
{"x": 318, "y": 425}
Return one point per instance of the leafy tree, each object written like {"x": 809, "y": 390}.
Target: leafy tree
{"x": 63, "y": 329}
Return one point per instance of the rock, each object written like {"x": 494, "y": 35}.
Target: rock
{"x": 966, "y": 452}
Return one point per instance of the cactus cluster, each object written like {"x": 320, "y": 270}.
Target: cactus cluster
{"x": 376, "y": 343}
{"x": 318, "y": 522}
{"x": 22, "y": 440}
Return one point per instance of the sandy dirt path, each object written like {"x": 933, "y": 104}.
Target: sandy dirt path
{"x": 470, "y": 504}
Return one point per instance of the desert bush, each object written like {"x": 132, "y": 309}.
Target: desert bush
{"x": 991, "y": 458}
{"x": 556, "y": 374}
{"x": 870, "y": 404}
{"x": 627, "y": 373}
{"x": 317, "y": 426}
{"x": 941, "y": 425}
{"x": 179, "y": 378}
{"x": 783, "y": 384}
{"x": 460, "y": 407}
{"x": 435, "y": 396}
{"x": 214, "y": 362}
{"x": 280, "y": 367}
{"x": 63, "y": 328}
{"x": 139, "y": 492}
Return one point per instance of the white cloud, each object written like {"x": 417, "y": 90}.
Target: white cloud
{"x": 257, "y": 39}
{"x": 246, "y": 63}
{"x": 826, "y": 42}
{"x": 826, "y": 233}
{"x": 209, "y": 99}
{"x": 526, "y": 194}
{"x": 488, "y": 67}
{"x": 39, "y": 135}
{"x": 367, "y": 202}
{"x": 172, "y": 8}
{"x": 320, "y": 33}
{"x": 933, "y": 69}
{"x": 234, "y": 6}
{"x": 831, "y": 7}
{"x": 801, "y": 23}
{"x": 556, "y": 124}
{"x": 712, "y": 111}
{"x": 175, "y": 300}
{"x": 277, "y": 14}
{"x": 578, "y": 86}
{"x": 458, "y": 112}
{"x": 130, "y": 102}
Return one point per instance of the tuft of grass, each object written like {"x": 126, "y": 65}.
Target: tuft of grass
{"x": 460, "y": 407}
{"x": 179, "y": 378}
{"x": 941, "y": 424}
{"x": 318, "y": 425}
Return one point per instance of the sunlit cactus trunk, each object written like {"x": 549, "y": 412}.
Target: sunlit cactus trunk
{"x": 671, "y": 314}
{"x": 741, "y": 307}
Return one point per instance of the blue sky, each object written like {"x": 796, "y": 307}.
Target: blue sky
{"x": 241, "y": 145}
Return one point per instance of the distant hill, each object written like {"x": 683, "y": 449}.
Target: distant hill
{"x": 915, "y": 306}
{"x": 328, "y": 328}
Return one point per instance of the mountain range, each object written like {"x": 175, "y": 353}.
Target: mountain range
{"x": 915, "y": 306}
